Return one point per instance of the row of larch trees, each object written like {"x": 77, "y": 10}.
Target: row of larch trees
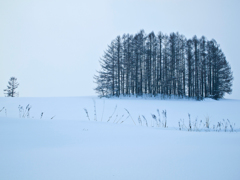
{"x": 163, "y": 65}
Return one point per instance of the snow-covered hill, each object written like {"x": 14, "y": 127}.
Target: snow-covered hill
{"x": 64, "y": 144}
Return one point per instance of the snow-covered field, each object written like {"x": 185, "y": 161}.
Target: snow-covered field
{"x": 64, "y": 144}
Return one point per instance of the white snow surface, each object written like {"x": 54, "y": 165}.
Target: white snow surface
{"x": 69, "y": 146}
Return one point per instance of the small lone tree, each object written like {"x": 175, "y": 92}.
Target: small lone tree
{"x": 11, "y": 88}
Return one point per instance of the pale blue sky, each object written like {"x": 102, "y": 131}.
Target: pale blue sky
{"x": 53, "y": 47}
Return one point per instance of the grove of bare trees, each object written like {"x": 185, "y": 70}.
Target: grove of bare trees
{"x": 165, "y": 65}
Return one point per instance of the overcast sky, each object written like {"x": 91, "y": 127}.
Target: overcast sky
{"x": 53, "y": 46}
